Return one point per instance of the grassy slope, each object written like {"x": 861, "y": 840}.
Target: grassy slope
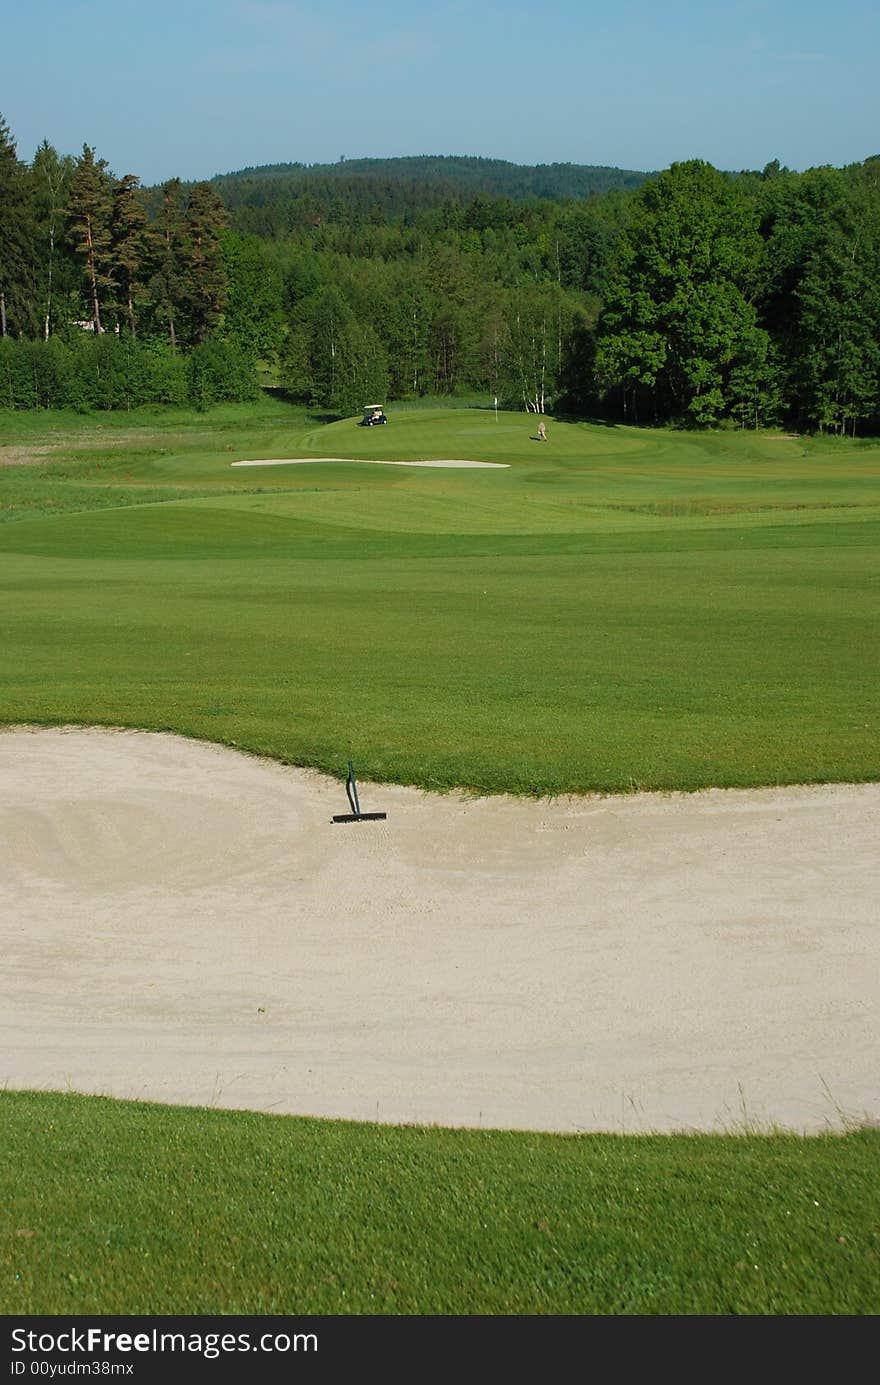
{"x": 143, "y": 1209}
{"x": 616, "y": 610}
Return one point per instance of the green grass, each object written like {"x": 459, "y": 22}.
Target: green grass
{"x": 617, "y": 610}
{"x": 139, "y": 1209}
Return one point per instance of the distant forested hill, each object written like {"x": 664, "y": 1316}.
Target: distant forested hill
{"x": 272, "y": 199}
{"x": 449, "y": 174}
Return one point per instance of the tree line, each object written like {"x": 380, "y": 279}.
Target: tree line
{"x": 78, "y": 247}
{"x": 691, "y": 296}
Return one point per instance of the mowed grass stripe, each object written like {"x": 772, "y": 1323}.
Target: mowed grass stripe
{"x": 534, "y": 675}
{"x": 289, "y": 527}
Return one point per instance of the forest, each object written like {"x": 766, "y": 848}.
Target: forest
{"x": 691, "y": 296}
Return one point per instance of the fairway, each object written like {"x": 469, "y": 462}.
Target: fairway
{"x": 613, "y": 610}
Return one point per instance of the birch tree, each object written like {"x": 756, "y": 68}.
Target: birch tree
{"x": 51, "y": 176}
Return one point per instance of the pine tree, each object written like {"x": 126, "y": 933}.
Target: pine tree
{"x": 128, "y": 234}
{"x": 89, "y": 214}
{"x": 15, "y": 232}
{"x": 167, "y": 254}
{"x": 205, "y": 270}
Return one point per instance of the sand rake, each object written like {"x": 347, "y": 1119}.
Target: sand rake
{"x": 355, "y": 815}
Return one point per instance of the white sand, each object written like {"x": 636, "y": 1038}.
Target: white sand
{"x": 369, "y": 461}
{"x": 183, "y": 923}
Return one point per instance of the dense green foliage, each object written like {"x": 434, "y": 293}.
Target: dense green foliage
{"x": 678, "y": 316}
{"x": 274, "y": 199}
{"x": 109, "y": 372}
{"x": 616, "y": 609}
{"x": 689, "y": 296}
{"x": 119, "y": 1208}
{"x": 102, "y": 306}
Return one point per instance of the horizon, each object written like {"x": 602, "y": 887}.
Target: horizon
{"x": 310, "y": 164}
{"x": 222, "y": 85}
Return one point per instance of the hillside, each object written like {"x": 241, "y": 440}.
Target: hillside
{"x": 269, "y": 200}
{"x": 450, "y": 174}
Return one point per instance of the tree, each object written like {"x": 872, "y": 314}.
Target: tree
{"x": 15, "y": 231}
{"x": 328, "y": 318}
{"x": 254, "y": 316}
{"x": 167, "y": 254}
{"x": 678, "y": 313}
{"x": 586, "y": 236}
{"x": 454, "y": 332}
{"x": 129, "y": 247}
{"x": 219, "y": 371}
{"x": 55, "y": 272}
{"x": 405, "y": 329}
{"x": 346, "y": 361}
{"x": 792, "y": 208}
{"x": 755, "y": 386}
{"x": 821, "y": 291}
{"x": 361, "y": 370}
{"x": 538, "y": 323}
{"x": 839, "y": 309}
{"x": 205, "y": 274}
{"x": 89, "y": 215}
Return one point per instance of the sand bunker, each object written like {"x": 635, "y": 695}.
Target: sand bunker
{"x": 182, "y": 923}
{"x": 370, "y": 461}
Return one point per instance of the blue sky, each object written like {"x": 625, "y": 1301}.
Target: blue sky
{"x": 204, "y": 86}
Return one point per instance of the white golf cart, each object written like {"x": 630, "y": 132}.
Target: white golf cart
{"x": 373, "y": 413}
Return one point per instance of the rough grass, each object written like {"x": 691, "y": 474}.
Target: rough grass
{"x": 117, "y": 1208}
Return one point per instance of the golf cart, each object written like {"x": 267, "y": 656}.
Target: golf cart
{"x": 373, "y": 413}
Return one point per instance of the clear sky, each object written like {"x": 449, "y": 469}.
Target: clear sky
{"x": 199, "y": 87}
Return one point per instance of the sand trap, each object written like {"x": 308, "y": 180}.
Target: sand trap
{"x": 369, "y": 461}
{"x": 182, "y": 923}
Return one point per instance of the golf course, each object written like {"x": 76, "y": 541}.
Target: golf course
{"x": 612, "y": 610}
{"x": 601, "y": 989}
